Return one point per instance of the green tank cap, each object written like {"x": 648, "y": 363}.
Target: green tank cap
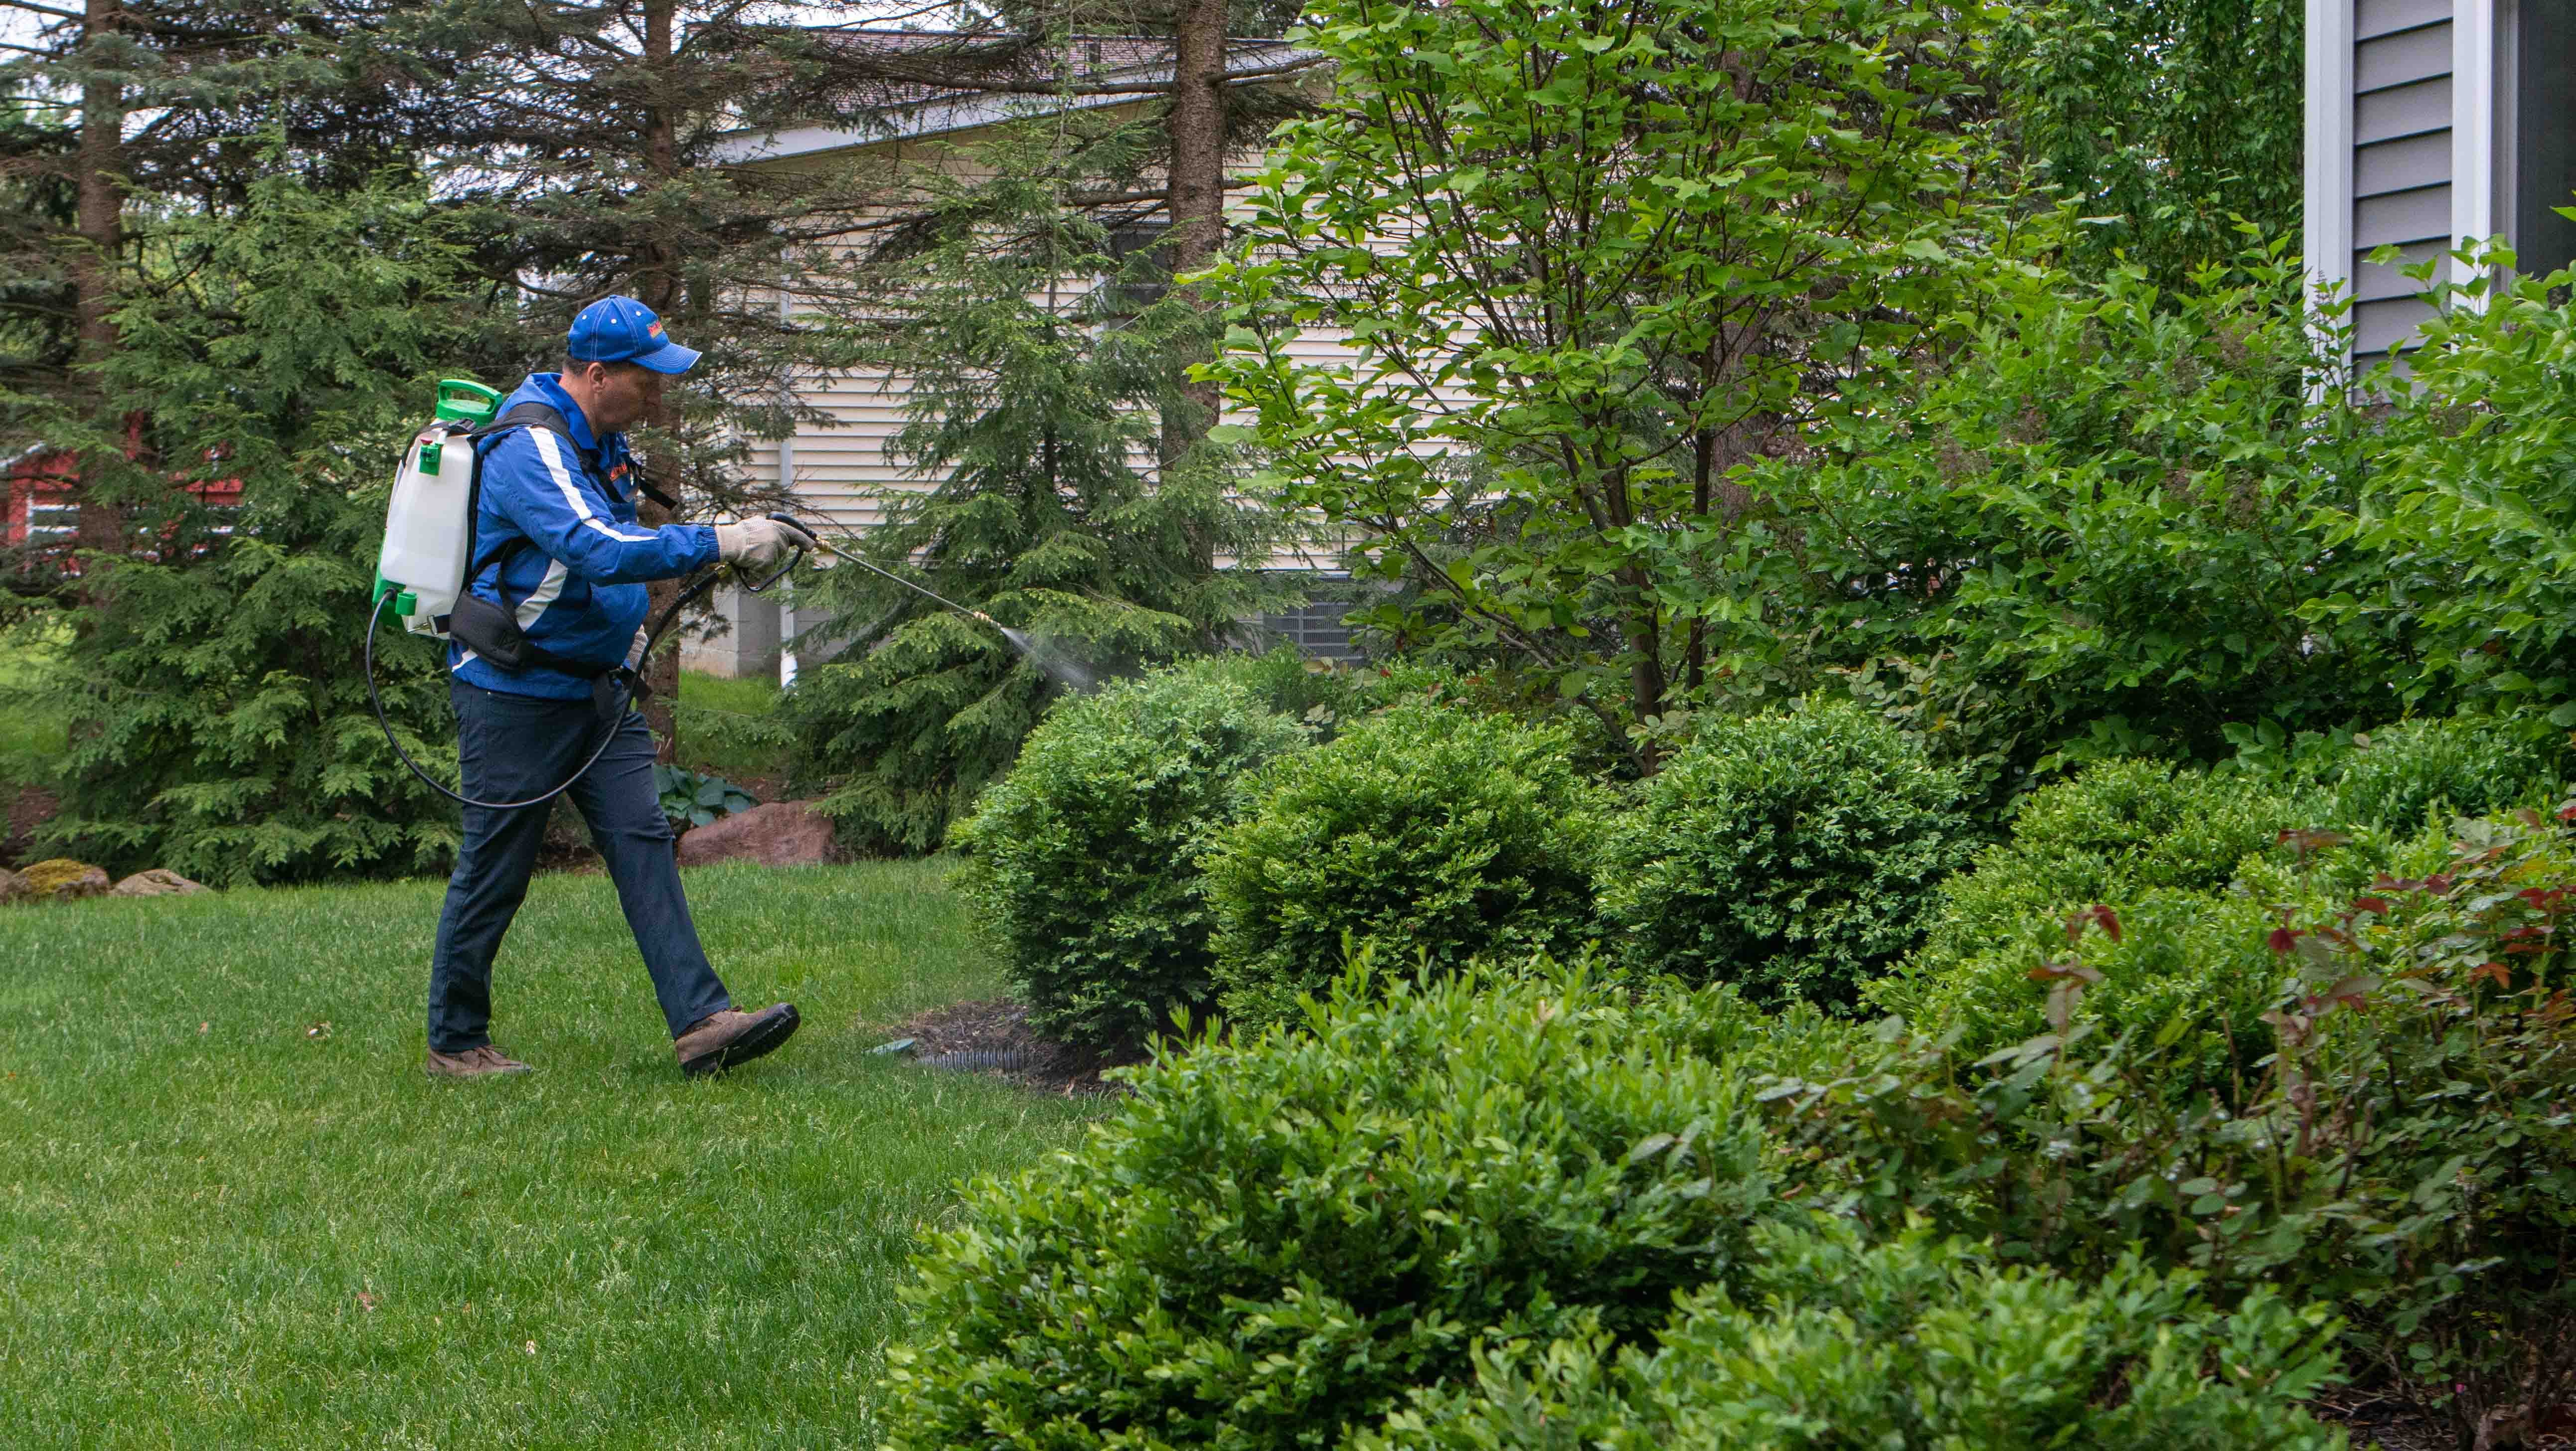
{"x": 462, "y": 400}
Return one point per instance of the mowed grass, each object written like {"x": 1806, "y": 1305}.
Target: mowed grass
{"x": 726, "y": 728}
{"x": 224, "y": 1224}
{"x": 32, "y": 738}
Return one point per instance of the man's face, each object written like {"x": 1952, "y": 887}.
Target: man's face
{"x": 621, "y": 395}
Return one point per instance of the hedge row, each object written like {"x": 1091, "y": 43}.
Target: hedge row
{"x": 1222, "y": 836}
{"x": 1558, "y": 1207}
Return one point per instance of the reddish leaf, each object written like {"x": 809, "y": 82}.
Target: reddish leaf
{"x": 2096, "y": 915}
{"x": 2378, "y": 906}
{"x": 2501, "y": 974}
{"x": 2053, "y": 971}
{"x": 2282, "y": 939}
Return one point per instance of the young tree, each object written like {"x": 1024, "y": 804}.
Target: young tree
{"x": 1038, "y": 369}
{"x": 1595, "y": 253}
{"x": 225, "y": 730}
{"x": 179, "y": 106}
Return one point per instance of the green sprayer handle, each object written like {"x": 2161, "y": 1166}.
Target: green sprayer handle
{"x": 466, "y": 401}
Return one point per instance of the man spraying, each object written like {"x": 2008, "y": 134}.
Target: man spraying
{"x": 559, "y": 552}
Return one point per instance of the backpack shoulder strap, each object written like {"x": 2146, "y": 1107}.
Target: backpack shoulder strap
{"x": 531, "y": 414}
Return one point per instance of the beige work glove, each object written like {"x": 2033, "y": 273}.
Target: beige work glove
{"x": 758, "y": 541}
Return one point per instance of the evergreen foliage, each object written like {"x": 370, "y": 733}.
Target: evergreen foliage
{"x": 1035, "y": 401}
{"x": 1275, "y": 1243}
{"x": 221, "y": 722}
{"x": 1793, "y": 854}
{"x": 1830, "y": 1344}
{"x": 2400, "y": 775}
{"x": 1437, "y": 833}
{"x": 1084, "y": 863}
{"x": 2117, "y": 829}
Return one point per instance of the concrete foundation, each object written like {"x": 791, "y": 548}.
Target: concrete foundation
{"x": 749, "y": 644}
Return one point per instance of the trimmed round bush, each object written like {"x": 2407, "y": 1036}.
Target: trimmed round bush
{"x": 1792, "y": 854}
{"x": 1829, "y": 1345}
{"x": 2401, "y": 775}
{"x": 1274, "y": 1243}
{"x": 1320, "y": 694}
{"x": 2196, "y": 957}
{"x": 1442, "y": 834}
{"x": 1083, "y": 863}
{"x": 2119, "y": 828}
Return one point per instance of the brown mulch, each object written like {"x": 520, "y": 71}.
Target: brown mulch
{"x": 29, "y": 808}
{"x": 2391, "y": 1424}
{"x": 1002, "y": 1026}
{"x": 2384, "y": 1422}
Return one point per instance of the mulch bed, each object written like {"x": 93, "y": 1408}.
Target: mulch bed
{"x": 2390, "y": 1424}
{"x": 1001, "y": 1028}
{"x": 29, "y": 808}
{"x": 2381, "y": 1421}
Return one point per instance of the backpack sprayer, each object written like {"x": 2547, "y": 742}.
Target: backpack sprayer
{"x": 422, "y": 571}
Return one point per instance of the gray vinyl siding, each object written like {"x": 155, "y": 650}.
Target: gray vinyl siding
{"x": 2372, "y": 282}
{"x": 2401, "y": 162}
{"x": 2379, "y": 17}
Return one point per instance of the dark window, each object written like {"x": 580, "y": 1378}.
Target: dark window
{"x": 2544, "y": 136}
{"x": 1144, "y": 271}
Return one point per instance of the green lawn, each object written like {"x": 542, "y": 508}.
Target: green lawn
{"x": 31, "y": 740}
{"x": 725, "y": 728}
{"x": 223, "y": 1225}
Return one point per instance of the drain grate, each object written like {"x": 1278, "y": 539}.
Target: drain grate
{"x": 981, "y": 1060}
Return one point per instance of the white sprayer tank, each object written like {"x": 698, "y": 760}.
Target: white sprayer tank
{"x": 429, "y": 524}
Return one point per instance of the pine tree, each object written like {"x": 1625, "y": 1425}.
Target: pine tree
{"x": 224, "y": 727}
{"x": 1035, "y": 402}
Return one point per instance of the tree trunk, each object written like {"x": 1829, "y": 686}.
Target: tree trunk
{"x": 657, "y": 284}
{"x": 1703, "y": 479}
{"x": 1197, "y": 184}
{"x": 101, "y": 225}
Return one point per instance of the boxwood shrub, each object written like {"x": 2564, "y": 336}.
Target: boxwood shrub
{"x": 2405, "y": 1154}
{"x": 1827, "y": 1345}
{"x": 1275, "y": 1242}
{"x": 1793, "y": 854}
{"x": 1082, "y": 865}
{"x": 2401, "y": 775}
{"x": 2119, "y": 829}
{"x": 1444, "y": 834}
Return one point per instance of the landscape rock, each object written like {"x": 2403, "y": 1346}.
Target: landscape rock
{"x": 13, "y": 887}
{"x": 158, "y": 882}
{"x": 780, "y": 834}
{"x": 62, "y": 880}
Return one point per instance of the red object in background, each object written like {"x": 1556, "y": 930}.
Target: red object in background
{"x": 39, "y": 483}
{"x": 37, "y": 505}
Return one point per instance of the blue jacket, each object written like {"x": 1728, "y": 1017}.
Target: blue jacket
{"x": 578, "y": 584}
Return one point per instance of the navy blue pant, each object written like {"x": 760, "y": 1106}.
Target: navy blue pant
{"x": 511, "y": 747}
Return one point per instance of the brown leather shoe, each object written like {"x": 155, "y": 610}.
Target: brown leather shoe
{"x": 724, "y": 1040}
{"x": 473, "y": 1063}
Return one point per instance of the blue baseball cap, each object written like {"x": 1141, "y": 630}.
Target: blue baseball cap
{"x": 622, "y": 330}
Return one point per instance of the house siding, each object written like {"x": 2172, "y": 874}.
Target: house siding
{"x": 2404, "y": 101}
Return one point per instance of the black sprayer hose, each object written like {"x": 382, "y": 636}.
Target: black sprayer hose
{"x": 375, "y": 617}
